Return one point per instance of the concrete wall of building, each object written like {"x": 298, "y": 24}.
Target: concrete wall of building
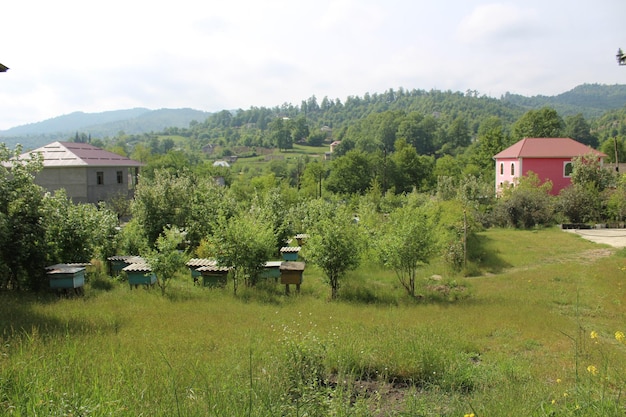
{"x": 72, "y": 179}
{"x": 110, "y": 187}
{"x": 82, "y": 185}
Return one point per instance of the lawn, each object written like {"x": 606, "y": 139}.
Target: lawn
{"x": 517, "y": 342}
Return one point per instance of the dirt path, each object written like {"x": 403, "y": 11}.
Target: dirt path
{"x": 583, "y": 258}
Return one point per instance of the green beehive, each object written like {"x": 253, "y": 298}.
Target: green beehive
{"x": 118, "y": 263}
{"x": 271, "y": 270}
{"x": 195, "y": 263}
{"x": 214, "y": 276}
{"x": 140, "y": 274}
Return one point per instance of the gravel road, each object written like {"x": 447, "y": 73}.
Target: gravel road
{"x": 613, "y": 237}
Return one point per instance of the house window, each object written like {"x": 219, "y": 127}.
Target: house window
{"x": 501, "y": 168}
{"x": 100, "y": 178}
{"x": 568, "y": 167}
{"x": 512, "y": 169}
{"x": 120, "y": 177}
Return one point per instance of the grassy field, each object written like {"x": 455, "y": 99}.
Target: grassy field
{"x": 533, "y": 336}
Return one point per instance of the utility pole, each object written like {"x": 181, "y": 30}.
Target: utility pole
{"x": 616, "y": 155}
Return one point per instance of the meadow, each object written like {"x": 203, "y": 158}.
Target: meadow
{"x": 533, "y": 335}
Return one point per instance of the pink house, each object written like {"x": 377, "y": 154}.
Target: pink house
{"x": 549, "y": 158}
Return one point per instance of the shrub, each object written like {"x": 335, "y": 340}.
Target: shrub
{"x": 580, "y": 203}
{"x": 525, "y": 206}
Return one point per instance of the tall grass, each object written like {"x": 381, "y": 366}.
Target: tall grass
{"x": 519, "y": 344}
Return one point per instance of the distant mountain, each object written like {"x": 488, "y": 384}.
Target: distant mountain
{"x": 100, "y": 125}
{"x": 592, "y": 100}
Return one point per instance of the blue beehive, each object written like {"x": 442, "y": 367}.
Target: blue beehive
{"x": 65, "y": 277}
{"x": 290, "y": 253}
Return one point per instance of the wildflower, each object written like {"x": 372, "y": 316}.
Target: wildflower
{"x": 594, "y": 334}
{"x": 553, "y": 401}
{"x": 469, "y": 415}
{"x": 592, "y": 370}
{"x": 620, "y": 336}
{"x": 558, "y": 380}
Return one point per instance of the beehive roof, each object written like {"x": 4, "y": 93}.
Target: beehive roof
{"x": 292, "y": 266}
{"x": 131, "y": 259}
{"x": 139, "y": 267}
{"x": 195, "y": 262}
{"x": 213, "y": 268}
{"x": 64, "y": 269}
{"x": 290, "y": 249}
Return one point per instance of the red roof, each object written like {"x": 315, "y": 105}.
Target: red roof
{"x": 547, "y": 148}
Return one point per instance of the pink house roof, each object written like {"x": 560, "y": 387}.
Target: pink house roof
{"x": 65, "y": 154}
{"x": 547, "y": 148}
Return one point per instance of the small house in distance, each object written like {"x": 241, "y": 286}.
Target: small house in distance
{"x": 549, "y": 158}
{"x": 87, "y": 173}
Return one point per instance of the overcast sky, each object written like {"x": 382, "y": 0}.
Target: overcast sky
{"x": 93, "y": 56}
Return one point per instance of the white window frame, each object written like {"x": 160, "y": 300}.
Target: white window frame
{"x": 565, "y": 163}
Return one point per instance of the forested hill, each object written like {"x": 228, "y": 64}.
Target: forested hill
{"x": 100, "y": 125}
{"x": 591, "y": 100}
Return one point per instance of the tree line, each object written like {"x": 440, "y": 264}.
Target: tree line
{"x": 393, "y": 155}
{"x": 177, "y": 215}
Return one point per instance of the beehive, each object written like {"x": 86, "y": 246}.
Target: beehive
{"x": 140, "y": 274}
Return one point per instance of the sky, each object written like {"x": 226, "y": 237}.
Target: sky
{"x": 93, "y": 56}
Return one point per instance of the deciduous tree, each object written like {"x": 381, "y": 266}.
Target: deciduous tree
{"x": 351, "y": 173}
{"x": 166, "y": 258}
{"x": 334, "y": 246}
{"x": 244, "y": 243}
{"x": 22, "y": 231}
{"x": 542, "y": 123}
{"x": 407, "y": 243}
{"x": 77, "y": 232}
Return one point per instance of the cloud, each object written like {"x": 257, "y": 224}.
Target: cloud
{"x": 106, "y": 55}
{"x": 497, "y": 22}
